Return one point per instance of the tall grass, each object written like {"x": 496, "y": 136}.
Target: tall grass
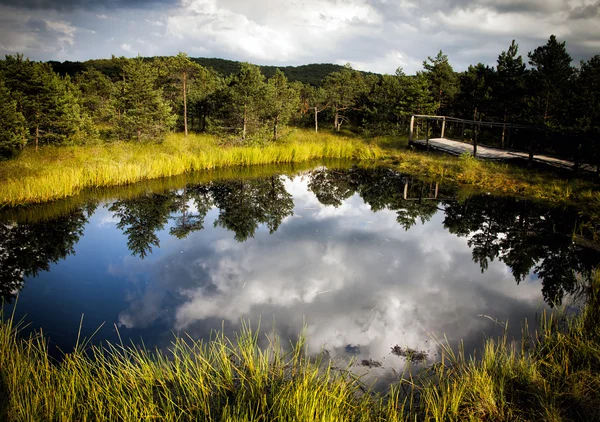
{"x": 550, "y": 375}
{"x": 60, "y": 172}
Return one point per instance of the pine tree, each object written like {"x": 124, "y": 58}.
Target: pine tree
{"x": 510, "y": 83}
{"x": 49, "y": 103}
{"x": 443, "y": 81}
{"x": 343, "y": 89}
{"x": 246, "y": 90}
{"x": 283, "y": 100}
{"x": 145, "y": 114}
{"x": 552, "y": 75}
{"x": 13, "y": 133}
{"x": 97, "y": 92}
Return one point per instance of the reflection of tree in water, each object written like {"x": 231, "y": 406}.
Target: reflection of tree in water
{"x": 28, "y": 248}
{"x": 524, "y": 235}
{"x": 521, "y": 234}
{"x": 189, "y": 222}
{"x": 244, "y": 204}
{"x": 380, "y": 188}
{"x": 142, "y": 217}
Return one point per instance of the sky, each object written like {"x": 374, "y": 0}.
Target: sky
{"x": 371, "y": 35}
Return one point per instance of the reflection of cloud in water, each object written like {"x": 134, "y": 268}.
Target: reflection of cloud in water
{"x": 373, "y": 285}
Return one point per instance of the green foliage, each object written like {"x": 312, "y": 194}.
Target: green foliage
{"x": 49, "y": 103}
{"x": 475, "y": 94}
{"x": 443, "y": 81}
{"x": 282, "y": 101}
{"x": 13, "y": 133}
{"x": 551, "y": 76}
{"x": 145, "y": 115}
{"x": 246, "y": 108}
{"x": 510, "y": 86}
{"x": 97, "y": 92}
{"x": 342, "y": 90}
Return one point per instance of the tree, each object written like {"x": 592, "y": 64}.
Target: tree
{"x": 185, "y": 69}
{"x": 343, "y": 88}
{"x": 552, "y": 75}
{"x": 443, "y": 81}
{"x": 391, "y": 100}
{"x": 146, "y": 115}
{"x": 315, "y": 99}
{"x": 283, "y": 100}
{"x": 97, "y": 92}
{"x": 13, "y": 132}
{"x": 474, "y": 98}
{"x": 586, "y": 108}
{"x": 510, "y": 82}
{"x": 49, "y": 103}
{"x": 247, "y": 90}
{"x": 202, "y": 95}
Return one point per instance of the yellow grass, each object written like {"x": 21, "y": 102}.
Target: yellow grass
{"x": 60, "y": 172}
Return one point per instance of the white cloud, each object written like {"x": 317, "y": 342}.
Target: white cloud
{"x": 127, "y": 47}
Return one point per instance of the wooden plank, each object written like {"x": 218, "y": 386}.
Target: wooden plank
{"x": 457, "y": 148}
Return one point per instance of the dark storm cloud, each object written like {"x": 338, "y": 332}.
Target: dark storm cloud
{"x": 590, "y": 11}
{"x": 70, "y": 5}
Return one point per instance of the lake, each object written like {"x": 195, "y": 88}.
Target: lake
{"x": 362, "y": 259}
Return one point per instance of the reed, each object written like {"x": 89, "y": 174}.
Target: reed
{"x": 59, "y": 172}
{"x": 552, "y": 375}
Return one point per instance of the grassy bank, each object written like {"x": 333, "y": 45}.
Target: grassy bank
{"x": 552, "y": 375}
{"x": 496, "y": 177}
{"x": 60, "y": 172}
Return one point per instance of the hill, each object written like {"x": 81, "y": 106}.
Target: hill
{"x": 309, "y": 73}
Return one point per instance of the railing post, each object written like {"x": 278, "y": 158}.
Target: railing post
{"x": 531, "y": 148}
{"x": 475, "y": 141}
{"x": 443, "y": 127}
{"x": 410, "y": 132}
{"x": 427, "y": 134}
{"x": 462, "y": 136}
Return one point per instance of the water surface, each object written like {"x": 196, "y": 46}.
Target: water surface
{"x": 364, "y": 259}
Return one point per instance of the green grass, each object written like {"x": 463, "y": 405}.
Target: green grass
{"x": 494, "y": 177}
{"x": 60, "y": 172}
{"x": 550, "y": 375}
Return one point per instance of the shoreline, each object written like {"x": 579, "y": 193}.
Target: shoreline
{"x": 61, "y": 172}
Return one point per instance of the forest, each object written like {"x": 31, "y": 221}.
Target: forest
{"x": 143, "y": 99}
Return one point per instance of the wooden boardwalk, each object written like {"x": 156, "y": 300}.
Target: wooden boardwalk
{"x": 489, "y": 153}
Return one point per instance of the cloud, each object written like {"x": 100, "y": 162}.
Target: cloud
{"x": 69, "y": 5}
{"x": 44, "y": 34}
{"x": 127, "y": 48}
{"x": 374, "y": 35}
{"x": 369, "y": 282}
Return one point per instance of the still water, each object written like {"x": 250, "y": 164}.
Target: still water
{"x": 364, "y": 259}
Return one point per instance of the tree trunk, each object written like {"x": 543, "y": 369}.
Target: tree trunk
{"x": 275, "y": 128}
{"x": 316, "y": 120}
{"x": 204, "y": 115}
{"x": 37, "y": 135}
{"x": 244, "y": 128}
{"x": 185, "y": 127}
{"x": 336, "y": 125}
